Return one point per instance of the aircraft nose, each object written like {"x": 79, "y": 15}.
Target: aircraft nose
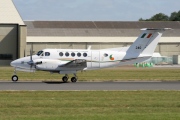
{"x": 13, "y": 63}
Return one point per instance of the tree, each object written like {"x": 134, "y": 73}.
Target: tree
{"x": 141, "y": 19}
{"x": 175, "y": 16}
{"x": 157, "y": 17}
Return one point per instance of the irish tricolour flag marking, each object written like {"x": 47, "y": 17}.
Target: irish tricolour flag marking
{"x": 145, "y": 35}
{"x": 111, "y": 57}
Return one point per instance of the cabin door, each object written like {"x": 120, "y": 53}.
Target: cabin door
{"x": 95, "y": 59}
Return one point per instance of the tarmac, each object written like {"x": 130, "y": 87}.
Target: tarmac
{"x": 88, "y": 86}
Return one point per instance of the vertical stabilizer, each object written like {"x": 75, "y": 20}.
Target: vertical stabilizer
{"x": 146, "y": 43}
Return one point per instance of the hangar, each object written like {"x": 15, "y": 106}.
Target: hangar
{"x": 12, "y": 33}
{"x": 17, "y": 36}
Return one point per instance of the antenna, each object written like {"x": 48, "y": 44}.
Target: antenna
{"x": 89, "y": 47}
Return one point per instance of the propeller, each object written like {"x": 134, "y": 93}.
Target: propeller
{"x": 31, "y": 62}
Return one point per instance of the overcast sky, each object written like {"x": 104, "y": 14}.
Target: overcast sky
{"x": 94, "y": 10}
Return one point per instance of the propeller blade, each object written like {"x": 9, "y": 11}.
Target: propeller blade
{"x": 31, "y": 62}
{"x": 31, "y": 55}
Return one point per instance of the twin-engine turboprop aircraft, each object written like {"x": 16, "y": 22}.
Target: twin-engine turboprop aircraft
{"x": 69, "y": 61}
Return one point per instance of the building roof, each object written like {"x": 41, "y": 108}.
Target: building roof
{"x": 9, "y": 13}
{"x": 103, "y": 24}
{"x": 97, "y": 28}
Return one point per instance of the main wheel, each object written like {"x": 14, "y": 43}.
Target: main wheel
{"x": 14, "y": 78}
{"x": 73, "y": 79}
{"x": 65, "y": 79}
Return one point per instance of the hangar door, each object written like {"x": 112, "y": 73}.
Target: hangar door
{"x": 8, "y": 43}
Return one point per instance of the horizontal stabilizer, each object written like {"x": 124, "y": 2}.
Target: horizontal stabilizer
{"x": 160, "y": 29}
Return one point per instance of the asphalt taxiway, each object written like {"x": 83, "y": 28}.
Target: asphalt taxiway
{"x": 60, "y": 86}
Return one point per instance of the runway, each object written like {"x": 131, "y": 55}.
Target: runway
{"x": 60, "y": 86}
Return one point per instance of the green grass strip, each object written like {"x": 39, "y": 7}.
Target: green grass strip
{"x": 90, "y": 105}
{"x": 112, "y": 74}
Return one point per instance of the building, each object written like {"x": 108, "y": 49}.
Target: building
{"x": 17, "y": 36}
{"x": 12, "y": 33}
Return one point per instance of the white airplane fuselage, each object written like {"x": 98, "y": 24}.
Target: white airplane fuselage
{"x": 96, "y": 59}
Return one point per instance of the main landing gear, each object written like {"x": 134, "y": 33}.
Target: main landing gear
{"x": 14, "y": 77}
{"x": 73, "y": 79}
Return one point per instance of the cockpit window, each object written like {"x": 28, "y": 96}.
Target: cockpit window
{"x": 47, "y": 54}
{"x": 39, "y": 53}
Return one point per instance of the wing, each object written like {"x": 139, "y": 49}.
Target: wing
{"x": 78, "y": 64}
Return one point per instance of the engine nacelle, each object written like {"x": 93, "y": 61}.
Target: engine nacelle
{"x": 48, "y": 64}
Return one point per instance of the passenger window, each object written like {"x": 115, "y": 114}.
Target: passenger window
{"x": 47, "y": 54}
{"x": 61, "y": 54}
{"x": 85, "y": 54}
{"x": 67, "y": 54}
{"x": 79, "y": 54}
{"x": 72, "y": 54}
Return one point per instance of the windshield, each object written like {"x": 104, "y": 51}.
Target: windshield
{"x": 39, "y": 53}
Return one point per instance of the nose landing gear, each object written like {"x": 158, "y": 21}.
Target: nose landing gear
{"x": 14, "y": 77}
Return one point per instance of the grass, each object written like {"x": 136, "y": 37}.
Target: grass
{"x": 88, "y": 105}
{"x": 113, "y": 74}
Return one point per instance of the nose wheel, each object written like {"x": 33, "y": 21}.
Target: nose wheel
{"x": 14, "y": 78}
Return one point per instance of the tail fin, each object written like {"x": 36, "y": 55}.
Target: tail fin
{"x": 146, "y": 43}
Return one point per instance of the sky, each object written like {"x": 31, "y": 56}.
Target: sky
{"x": 94, "y": 10}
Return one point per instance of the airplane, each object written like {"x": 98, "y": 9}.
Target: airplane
{"x": 69, "y": 61}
